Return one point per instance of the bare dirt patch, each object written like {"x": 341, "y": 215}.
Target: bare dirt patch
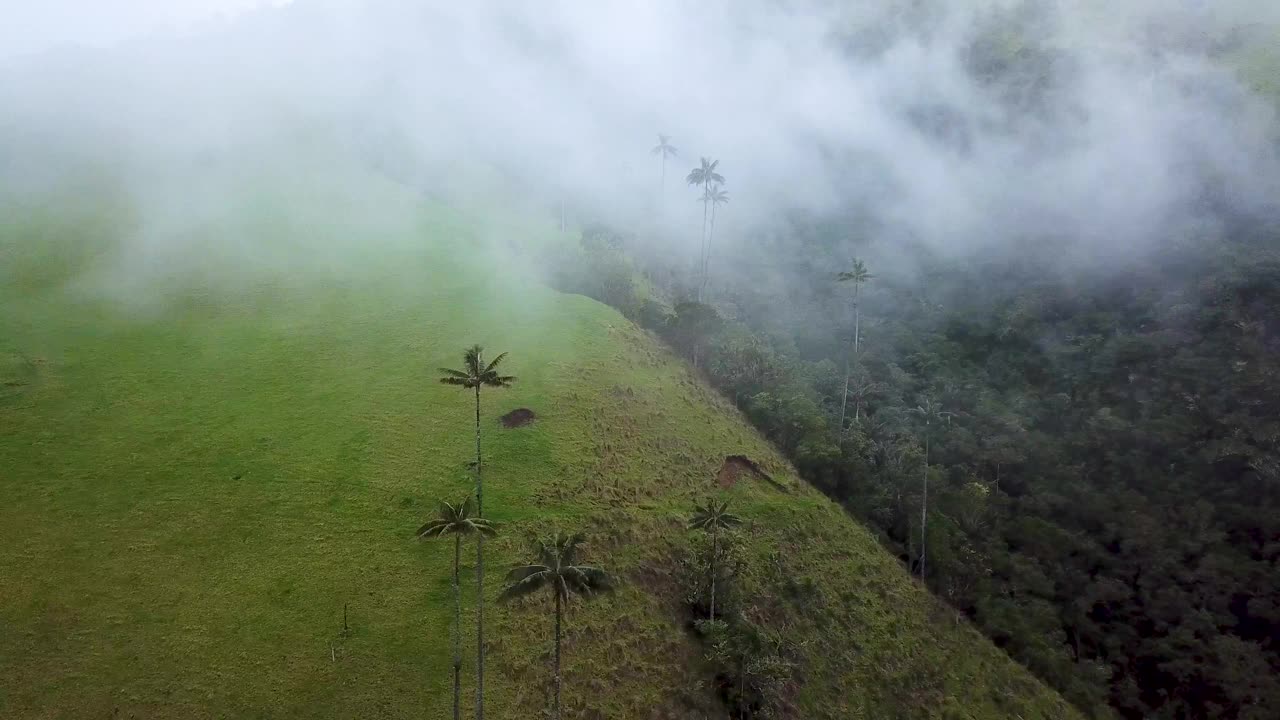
{"x": 735, "y": 468}
{"x": 518, "y": 417}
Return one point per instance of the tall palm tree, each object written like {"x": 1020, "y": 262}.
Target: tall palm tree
{"x": 718, "y": 197}
{"x": 712, "y": 518}
{"x": 556, "y": 568}
{"x": 857, "y": 275}
{"x": 931, "y": 413}
{"x": 666, "y": 150}
{"x": 475, "y": 375}
{"x": 705, "y": 175}
{"x": 456, "y": 520}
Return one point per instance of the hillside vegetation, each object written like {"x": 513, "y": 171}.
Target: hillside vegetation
{"x": 212, "y": 473}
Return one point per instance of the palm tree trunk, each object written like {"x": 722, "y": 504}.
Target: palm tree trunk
{"x": 662, "y": 190}
{"x": 479, "y": 571}
{"x": 457, "y": 630}
{"x": 715, "y": 550}
{"x": 706, "y": 258}
{"x": 857, "y": 333}
{"x": 480, "y": 627}
{"x": 479, "y": 476}
{"x": 557, "y": 594}
{"x": 844, "y": 397}
{"x": 702, "y": 251}
{"x": 857, "y": 318}
{"x": 742, "y": 681}
{"x": 924, "y": 502}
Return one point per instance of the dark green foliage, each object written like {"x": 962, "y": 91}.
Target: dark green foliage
{"x": 1105, "y": 503}
{"x": 597, "y": 268}
{"x": 692, "y": 327}
{"x": 696, "y": 573}
{"x": 754, "y": 667}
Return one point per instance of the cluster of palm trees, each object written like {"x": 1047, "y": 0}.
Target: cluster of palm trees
{"x": 555, "y": 567}
{"x": 714, "y": 195}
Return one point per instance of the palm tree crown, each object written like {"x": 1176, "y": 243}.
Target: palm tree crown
{"x": 713, "y": 516}
{"x": 717, "y": 195}
{"x": 705, "y": 174}
{"x": 456, "y": 520}
{"x": 556, "y": 568}
{"x": 477, "y": 373}
{"x": 858, "y": 274}
{"x": 664, "y": 147}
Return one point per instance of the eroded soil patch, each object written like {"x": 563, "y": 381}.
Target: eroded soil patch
{"x": 518, "y": 417}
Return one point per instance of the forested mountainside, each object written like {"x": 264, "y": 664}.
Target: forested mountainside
{"x": 998, "y": 277}
{"x": 216, "y": 472}
{"x": 1102, "y": 467}
{"x": 1056, "y": 396}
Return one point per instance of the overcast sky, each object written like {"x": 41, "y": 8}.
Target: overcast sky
{"x": 35, "y": 25}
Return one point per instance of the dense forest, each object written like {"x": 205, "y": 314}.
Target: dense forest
{"x": 1101, "y": 470}
{"x": 1070, "y": 431}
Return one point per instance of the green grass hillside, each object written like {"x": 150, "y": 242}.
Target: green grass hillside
{"x": 219, "y": 429}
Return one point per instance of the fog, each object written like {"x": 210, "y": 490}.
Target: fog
{"x": 1116, "y": 129}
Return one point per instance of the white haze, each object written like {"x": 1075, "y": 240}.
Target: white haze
{"x": 866, "y": 108}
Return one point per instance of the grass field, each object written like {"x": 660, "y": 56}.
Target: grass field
{"x": 206, "y": 455}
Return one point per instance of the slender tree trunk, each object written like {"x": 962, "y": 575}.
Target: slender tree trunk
{"x": 857, "y": 319}
{"x": 557, "y": 594}
{"x": 857, "y": 333}
{"x": 715, "y": 551}
{"x": 742, "y": 682}
{"x": 706, "y": 259}
{"x": 702, "y": 251}
{"x": 479, "y": 571}
{"x": 457, "y": 630}
{"x": 924, "y": 502}
{"x": 479, "y": 469}
{"x": 844, "y": 397}
{"x": 479, "y": 627}
{"x": 662, "y": 191}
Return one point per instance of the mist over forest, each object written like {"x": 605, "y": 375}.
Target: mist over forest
{"x": 991, "y": 124}
{"x": 1057, "y": 367}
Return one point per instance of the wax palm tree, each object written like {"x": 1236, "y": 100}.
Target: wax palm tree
{"x": 556, "y": 568}
{"x": 475, "y": 375}
{"x": 932, "y": 414}
{"x": 712, "y": 518}
{"x": 857, "y": 275}
{"x": 705, "y": 175}
{"x": 666, "y": 150}
{"x": 717, "y": 197}
{"x": 456, "y": 520}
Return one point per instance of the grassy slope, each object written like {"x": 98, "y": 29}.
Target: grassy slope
{"x": 195, "y": 487}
